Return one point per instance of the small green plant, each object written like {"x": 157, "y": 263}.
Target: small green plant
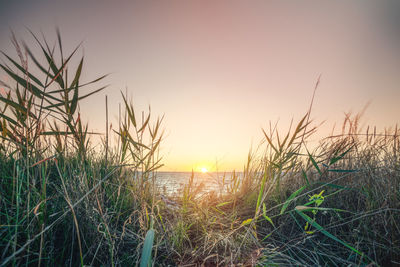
{"x": 316, "y": 200}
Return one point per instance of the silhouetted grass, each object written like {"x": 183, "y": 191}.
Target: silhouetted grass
{"x": 63, "y": 202}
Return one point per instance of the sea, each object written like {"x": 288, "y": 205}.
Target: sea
{"x": 171, "y": 183}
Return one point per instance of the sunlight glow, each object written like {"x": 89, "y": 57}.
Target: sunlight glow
{"x": 204, "y": 170}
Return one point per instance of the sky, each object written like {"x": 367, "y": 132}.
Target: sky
{"x": 220, "y": 71}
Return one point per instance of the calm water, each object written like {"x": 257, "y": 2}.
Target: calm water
{"x": 173, "y": 182}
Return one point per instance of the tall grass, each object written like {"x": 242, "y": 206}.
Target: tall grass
{"x": 64, "y": 202}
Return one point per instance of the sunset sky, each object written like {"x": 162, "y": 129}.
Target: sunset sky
{"x": 221, "y": 70}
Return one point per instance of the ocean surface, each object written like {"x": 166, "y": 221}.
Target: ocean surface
{"x": 173, "y": 182}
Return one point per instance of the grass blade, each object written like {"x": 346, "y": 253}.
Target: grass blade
{"x": 335, "y": 159}
{"x": 147, "y": 248}
{"x": 322, "y": 230}
{"x": 292, "y": 196}
{"x": 33, "y": 78}
{"x": 314, "y": 163}
{"x": 265, "y": 215}
{"x": 17, "y": 106}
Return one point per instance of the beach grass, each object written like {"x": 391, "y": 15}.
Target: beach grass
{"x": 66, "y": 202}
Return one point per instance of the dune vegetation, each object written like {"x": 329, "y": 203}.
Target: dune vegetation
{"x": 65, "y": 201}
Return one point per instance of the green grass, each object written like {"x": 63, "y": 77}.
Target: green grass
{"x": 65, "y": 202}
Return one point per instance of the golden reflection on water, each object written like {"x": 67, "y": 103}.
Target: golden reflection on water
{"x": 173, "y": 182}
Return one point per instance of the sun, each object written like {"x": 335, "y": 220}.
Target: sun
{"x": 204, "y": 170}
